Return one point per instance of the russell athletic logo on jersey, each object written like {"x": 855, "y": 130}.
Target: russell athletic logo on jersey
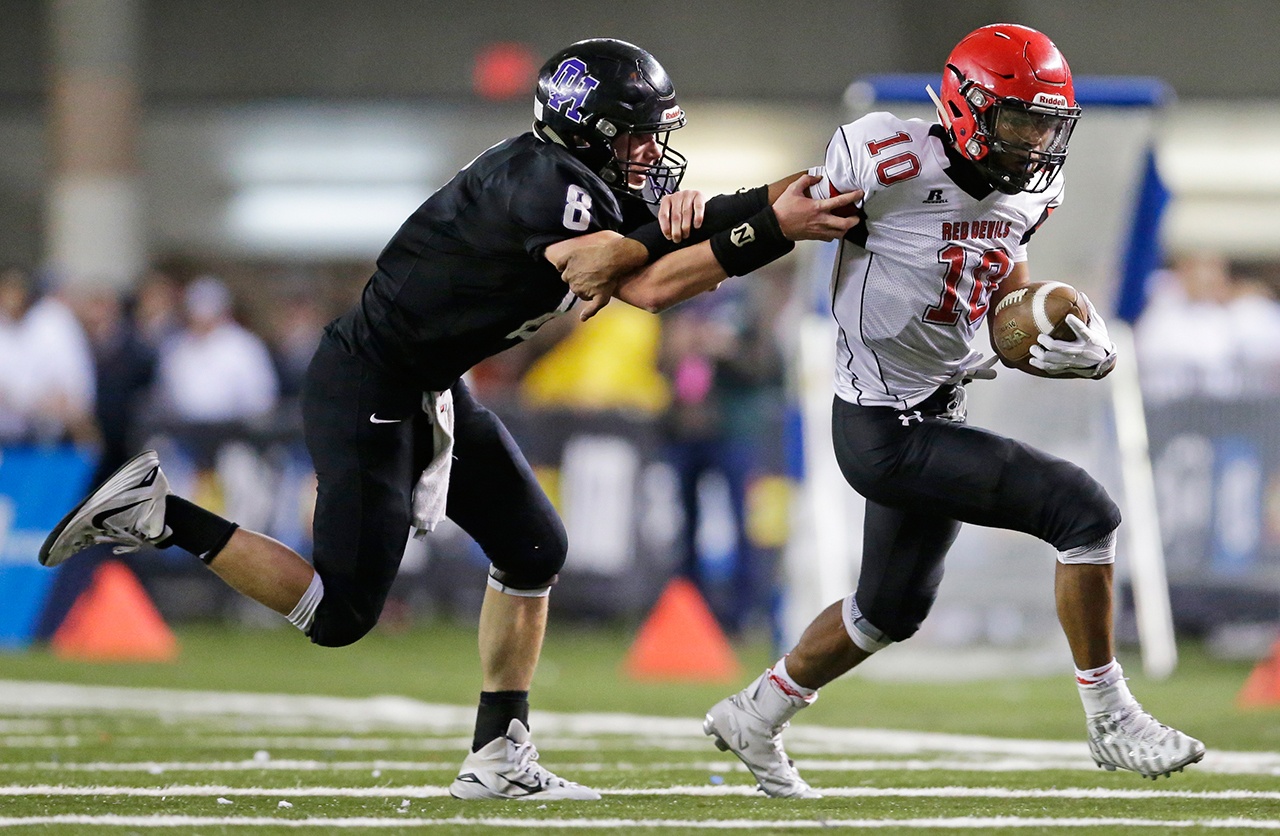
{"x": 935, "y": 197}
{"x": 570, "y": 87}
{"x": 959, "y": 230}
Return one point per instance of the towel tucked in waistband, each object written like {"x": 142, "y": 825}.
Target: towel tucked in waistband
{"x": 432, "y": 490}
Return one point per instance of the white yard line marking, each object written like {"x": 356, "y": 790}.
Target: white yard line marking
{"x": 629, "y": 825}
{"x": 25, "y": 726}
{"x": 1002, "y": 765}
{"x": 1084, "y": 793}
{"x": 970, "y": 752}
{"x": 546, "y": 743}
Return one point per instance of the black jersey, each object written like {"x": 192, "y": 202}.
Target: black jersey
{"x": 465, "y": 276}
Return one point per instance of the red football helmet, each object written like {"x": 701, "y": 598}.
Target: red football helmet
{"x": 1009, "y": 104}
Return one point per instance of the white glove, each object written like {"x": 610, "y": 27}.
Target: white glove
{"x": 1090, "y": 354}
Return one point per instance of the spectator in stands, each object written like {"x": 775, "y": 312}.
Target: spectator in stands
{"x": 215, "y": 370}
{"x": 46, "y": 370}
{"x": 1208, "y": 333}
{"x": 157, "y": 308}
{"x": 125, "y": 370}
{"x": 297, "y": 322}
{"x": 725, "y": 372}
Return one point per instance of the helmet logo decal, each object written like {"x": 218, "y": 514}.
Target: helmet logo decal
{"x": 570, "y": 86}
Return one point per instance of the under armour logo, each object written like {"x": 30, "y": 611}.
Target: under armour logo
{"x": 907, "y": 419}
{"x": 742, "y": 235}
{"x": 935, "y": 196}
{"x": 570, "y": 86}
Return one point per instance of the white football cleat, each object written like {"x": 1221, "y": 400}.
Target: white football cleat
{"x": 750, "y": 724}
{"x": 507, "y": 767}
{"x": 127, "y": 509}
{"x": 1130, "y": 738}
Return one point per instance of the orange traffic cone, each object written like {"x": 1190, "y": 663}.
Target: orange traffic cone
{"x": 114, "y": 621}
{"x": 1263, "y": 685}
{"x": 680, "y": 640}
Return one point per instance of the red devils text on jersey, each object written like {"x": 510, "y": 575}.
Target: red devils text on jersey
{"x": 911, "y": 283}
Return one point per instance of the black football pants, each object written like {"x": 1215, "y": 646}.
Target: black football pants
{"x": 923, "y": 475}
{"x": 369, "y": 441}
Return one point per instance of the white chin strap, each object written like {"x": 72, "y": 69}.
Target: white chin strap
{"x": 942, "y": 111}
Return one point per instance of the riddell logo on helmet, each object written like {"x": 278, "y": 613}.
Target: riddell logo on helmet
{"x": 671, "y": 114}
{"x": 1054, "y": 99}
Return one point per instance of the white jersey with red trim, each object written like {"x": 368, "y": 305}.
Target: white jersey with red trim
{"x": 911, "y": 283}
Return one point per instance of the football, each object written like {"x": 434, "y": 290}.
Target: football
{"x": 1026, "y": 313}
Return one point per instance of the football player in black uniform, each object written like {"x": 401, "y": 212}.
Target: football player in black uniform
{"x": 396, "y": 438}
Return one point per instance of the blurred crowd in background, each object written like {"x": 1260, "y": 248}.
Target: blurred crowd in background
{"x": 184, "y": 350}
{"x": 1211, "y": 330}
{"x": 188, "y": 352}
{"x": 185, "y": 345}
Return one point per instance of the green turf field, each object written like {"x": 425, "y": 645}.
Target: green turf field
{"x": 259, "y": 732}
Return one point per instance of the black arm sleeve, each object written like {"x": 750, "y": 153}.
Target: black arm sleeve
{"x": 722, "y": 212}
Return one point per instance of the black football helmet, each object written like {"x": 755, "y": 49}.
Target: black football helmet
{"x": 593, "y": 91}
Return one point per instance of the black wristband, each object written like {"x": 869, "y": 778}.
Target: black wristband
{"x": 720, "y": 213}
{"x": 751, "y": 244}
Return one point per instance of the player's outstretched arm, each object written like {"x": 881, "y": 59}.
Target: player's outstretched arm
{"x": 766, "y": 236}
{"x": 592, "y": 264}
{"x": 592, "y": 268}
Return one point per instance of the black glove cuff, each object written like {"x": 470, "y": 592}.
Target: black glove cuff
{"x": 720, "y": 213}
{"x": 752, "y": 244}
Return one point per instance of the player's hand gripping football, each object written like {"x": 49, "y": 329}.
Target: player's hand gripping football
{"x": 1090, "y": 354}
{"x": 805, "y": 219}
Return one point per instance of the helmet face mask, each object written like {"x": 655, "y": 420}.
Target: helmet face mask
{"x": 1009, "y": 103}
{"x": 1020, "y": 146}
{"x": 604, "y": 99}
{"x": 648, "y": 180}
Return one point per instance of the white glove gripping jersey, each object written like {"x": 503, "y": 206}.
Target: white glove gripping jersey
{"x": 911, "y": 283}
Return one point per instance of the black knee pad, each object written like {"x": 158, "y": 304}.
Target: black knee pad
{"x": 1081, "y": 511}
{"x": 341, "y": 620}
{"x": 537, "y": 565}
{"x": 901, "y": 625}
{"x": 898, "y": 620}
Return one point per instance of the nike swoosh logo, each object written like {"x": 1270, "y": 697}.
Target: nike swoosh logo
{"x": 149, "y": 479}
{"x": 472, "y": 778}
{"x": 530, "y": 790}
{"x": 102, "y": 516}
{"x": 374, "y": 419}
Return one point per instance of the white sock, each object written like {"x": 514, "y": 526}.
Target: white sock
{"x": 304, "y": 612}
{"x": 1105, "y": 675}
{"x": 1103, "y": 689}
{"x": 779, "y": 676}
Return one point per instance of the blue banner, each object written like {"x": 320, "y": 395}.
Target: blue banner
{"x": 1142, "y": 255}
{"x": 38, "y": 485}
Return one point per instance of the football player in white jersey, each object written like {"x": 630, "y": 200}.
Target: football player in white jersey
{"x": 948, "y": 209}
